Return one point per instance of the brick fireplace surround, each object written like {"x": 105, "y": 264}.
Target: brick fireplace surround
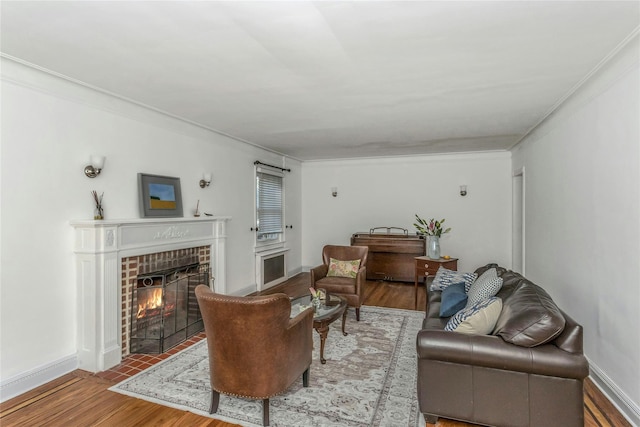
{"x": 108, "y": 255}
{"x": 150, "y": 263}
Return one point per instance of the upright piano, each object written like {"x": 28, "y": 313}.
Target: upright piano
{"x": 391, "y": 254}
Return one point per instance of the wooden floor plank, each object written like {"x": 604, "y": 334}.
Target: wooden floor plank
{"x": 83, "y": 399}
{"x": 595, "y": 412}
{"x": 23, "y": 403}
{"x": 56, "y": 407}
{"x": 98, "y": 411}
{"x": 36, "y": 393}
{"x": 600, "y": 404}
{"x": 193, "y": 420}
{"x": 140, "y": 412}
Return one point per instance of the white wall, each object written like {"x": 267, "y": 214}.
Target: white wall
{"x": 293, "y": 217}
{"x": 49, "y": 128}
{"x": 583, "y": 220}
{"x": 390, "y": 191}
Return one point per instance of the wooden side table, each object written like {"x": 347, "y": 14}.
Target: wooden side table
{"x": 426, "y": 266}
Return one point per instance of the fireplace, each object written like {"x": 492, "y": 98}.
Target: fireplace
{"x": 155, "y": 283}
{"x": 112, "y": 254}
{"x": 164, "y": 309}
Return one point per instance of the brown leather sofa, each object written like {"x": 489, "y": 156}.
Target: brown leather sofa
{"x": 528, "y": 372}
{"x": 351, "y": 289}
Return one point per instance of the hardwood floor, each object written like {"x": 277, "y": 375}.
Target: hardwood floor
{"x": 83, "y": 399}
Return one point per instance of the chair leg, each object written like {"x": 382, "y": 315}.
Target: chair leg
{"x": 305, "y": 377}
{"x": 215, "y": 400}
{"x": 265, "y": 412}
{"x": 358, "y": 314}
{"x": 431, "y": 420}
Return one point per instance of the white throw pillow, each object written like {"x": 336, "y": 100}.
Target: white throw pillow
{"x": 445, "y": 278}
{"x": 478, "y": 319}
{"x": 485, "y": 286}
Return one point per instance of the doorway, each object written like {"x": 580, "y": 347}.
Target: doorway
{"x": 518, "y": 232}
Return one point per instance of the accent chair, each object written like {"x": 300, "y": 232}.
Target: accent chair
{"x": 256, "y": 350}
{"x": 351, "y": 288}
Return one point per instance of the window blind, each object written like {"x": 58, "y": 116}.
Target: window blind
{"x": 268, "y": 205}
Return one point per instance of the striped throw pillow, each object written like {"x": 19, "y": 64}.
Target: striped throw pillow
{"x": 445, "y": 278}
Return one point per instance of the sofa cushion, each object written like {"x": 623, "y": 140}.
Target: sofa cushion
{"x": 484, "y": 287}
{"x": 339, "y": 268}
{"x": 529, "y": 317}
{"x": 499, "y": 270}
{"x": 437, "y": 323}
{"x": 479, "y": 319}
{"x": 454, "y": 299}
{"x": 510, "y": 278}
{"x": 510, "y": 282}
{"x": 434, "y": 299}
{"x": 445, "y": 277}
{"x": 335, "y": 285}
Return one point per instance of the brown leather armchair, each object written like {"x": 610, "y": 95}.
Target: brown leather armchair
{"x": 351, "y": 289}
{"x": 255, "y": 350}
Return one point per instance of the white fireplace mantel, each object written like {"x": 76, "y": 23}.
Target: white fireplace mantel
{"x": 99, "y": 248}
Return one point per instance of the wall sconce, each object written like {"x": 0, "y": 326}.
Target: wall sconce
{"x": 463, "y": 190}
{"x": 206, "y": 180}
{"x": 334, "y": 191}
{"x": 92, "y": 170}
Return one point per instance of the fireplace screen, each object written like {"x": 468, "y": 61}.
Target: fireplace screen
{"x": 165, "y": 311}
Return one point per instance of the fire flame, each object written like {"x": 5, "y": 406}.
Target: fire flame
{"x": 153, "y": 302}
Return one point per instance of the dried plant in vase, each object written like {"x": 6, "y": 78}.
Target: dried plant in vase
{"x": 98, "y": 212}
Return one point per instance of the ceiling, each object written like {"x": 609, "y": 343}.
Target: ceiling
{"x": 328, "y": 80}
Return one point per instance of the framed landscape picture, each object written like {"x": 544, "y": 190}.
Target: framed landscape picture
{"x": 160, "y": 196}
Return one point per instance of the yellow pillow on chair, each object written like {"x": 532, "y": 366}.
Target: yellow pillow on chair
{"x": 338, "y": 268}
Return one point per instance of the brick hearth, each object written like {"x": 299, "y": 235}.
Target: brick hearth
{"x": 136, "y": 363}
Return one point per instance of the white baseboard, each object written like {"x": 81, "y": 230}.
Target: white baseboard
{"x": 253, "y": 288}
{"x": 29, "y": 380}
{"x": 244, "y": 291}
{"x": 293, "y": 272}
{"x": 629, "y": 409}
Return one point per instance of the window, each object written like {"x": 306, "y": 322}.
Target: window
{"x": 269, "y": 217}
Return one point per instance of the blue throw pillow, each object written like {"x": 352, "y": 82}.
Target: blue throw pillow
{"x": 453, "y": 300}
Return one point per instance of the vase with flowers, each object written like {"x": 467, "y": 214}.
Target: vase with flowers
{"x": 315, "y": 299}
{"x": 432, "y": 229}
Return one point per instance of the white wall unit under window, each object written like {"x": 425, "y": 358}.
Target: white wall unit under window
{"x": 271, "y": 268}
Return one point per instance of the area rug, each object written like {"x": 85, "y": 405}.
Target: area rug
{"x": 369, "y": 379}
